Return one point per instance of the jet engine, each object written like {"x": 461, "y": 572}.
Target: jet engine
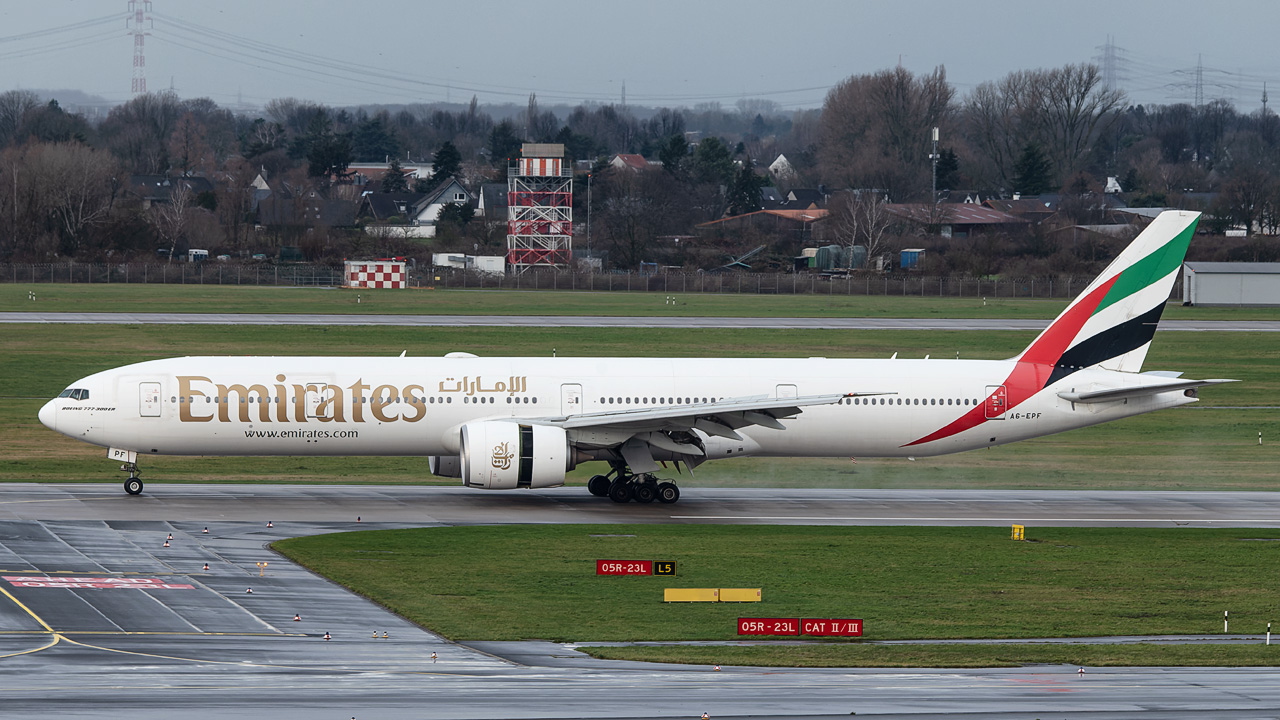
{"x": 506, "y": 455}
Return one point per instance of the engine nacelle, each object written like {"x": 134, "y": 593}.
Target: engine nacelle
{"x": 506, "y": 455}
{"x": 449, "y": 466}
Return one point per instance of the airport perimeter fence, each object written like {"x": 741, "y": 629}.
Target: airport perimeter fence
{"x": 671, "y": 282}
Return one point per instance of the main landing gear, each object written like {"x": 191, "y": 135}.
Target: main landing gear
{"x": 133, "y": 485}
{"x": 624, "y": 487}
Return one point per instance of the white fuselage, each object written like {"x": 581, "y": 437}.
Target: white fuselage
{"x": 415, "y": 406}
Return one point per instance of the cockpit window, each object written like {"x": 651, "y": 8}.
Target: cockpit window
{"x": 75, "y": 394}
{"x": 65, "y": 393}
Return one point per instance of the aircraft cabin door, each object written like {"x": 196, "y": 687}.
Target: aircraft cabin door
{"x": 316, "y": 393}
{"x": 570, "y": 399}
{"x": 149, "y": 399}
{"x": 786, "y": 391}
{"x": 997, "y": 402}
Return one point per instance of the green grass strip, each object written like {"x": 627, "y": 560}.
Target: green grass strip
{"x": 522, "y": 582}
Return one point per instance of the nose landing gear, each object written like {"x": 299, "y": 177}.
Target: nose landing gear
{"x": 133, "y": 485}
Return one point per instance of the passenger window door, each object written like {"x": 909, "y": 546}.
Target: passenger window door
{"x": 149, "y": 399}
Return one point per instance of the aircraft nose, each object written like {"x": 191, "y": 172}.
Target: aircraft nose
{"x": 49, "y": 415}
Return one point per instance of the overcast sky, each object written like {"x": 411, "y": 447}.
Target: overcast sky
{"x": 666, "y": 52}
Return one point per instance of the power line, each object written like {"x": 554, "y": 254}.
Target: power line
{"x": 357, "y": 71}
{"x": 113, "y": 18}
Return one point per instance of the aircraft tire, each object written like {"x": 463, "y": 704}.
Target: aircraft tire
{"x": 620, "y": 491}
{"x": 133, "y": 486}
{"x": 598, "y": 486}
{"x": 668, "y": 492}
{"x": 645, "y": 492}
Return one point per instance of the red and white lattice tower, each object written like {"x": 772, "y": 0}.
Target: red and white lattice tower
{"x": 139, "y": 24}
{"x": 540, "y": 208}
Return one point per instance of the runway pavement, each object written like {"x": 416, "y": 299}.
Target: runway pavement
{"x": 99, "y": 619}
{"x": 597, "y": 321}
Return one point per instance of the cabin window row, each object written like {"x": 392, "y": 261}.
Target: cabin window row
{"x": 654, "y": 401}
{"x": 254, "y": 400}
{"x": 909, "y": 401}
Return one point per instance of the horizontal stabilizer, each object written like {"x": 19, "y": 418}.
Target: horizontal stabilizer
{"x": 1097, "y": 396}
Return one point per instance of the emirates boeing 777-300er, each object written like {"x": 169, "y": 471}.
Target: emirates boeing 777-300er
{"x": 504, "y": 423}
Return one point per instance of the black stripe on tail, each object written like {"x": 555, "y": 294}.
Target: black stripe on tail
{"x": 1112, "y": 342}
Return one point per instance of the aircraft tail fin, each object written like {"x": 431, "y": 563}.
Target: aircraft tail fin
{"x": 1112, "y": 322}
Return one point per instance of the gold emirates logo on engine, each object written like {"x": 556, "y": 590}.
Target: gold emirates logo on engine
{"x": 203, "y": 400}
{"x": 502, "y": 456}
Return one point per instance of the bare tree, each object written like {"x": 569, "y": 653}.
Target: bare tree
{"x": 860, "y": 218}
{"x": 188, "y": 151}
{"x": 170, "y": 219}
{"x": 1063, "y": 110}
{"x": 14, "y": 106}
{"x": 999, "y": 122}
{"x": 235, "y": 193}
{"x": 875, "y": 129}
{"x": 637, "y": 208}
{"x": 1072, "y": 108}
{"x": 138, "y": 130}
{"x": 77, "y": 187}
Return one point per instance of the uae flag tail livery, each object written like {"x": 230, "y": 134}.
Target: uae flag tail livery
{"x": 1108, "y": 327}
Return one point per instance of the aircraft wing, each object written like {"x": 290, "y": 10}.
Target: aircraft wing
{"x": 731, "y": 413}
{"x": 636, "y": 433}
{"x": 1097, "y": 396}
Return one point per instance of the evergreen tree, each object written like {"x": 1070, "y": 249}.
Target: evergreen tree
{"x": 948, "y": 169}
{"x": 458, "y": 214}
{"x": 712, "y": 162}
{"x": 504, "y": 144}
{"x": 674, "y": 153}
{"x": 394, "y": 181}
{"x": 744, "y": 193}
{"x": 446, "y": 163}
{"x": 326, "y": 153}
{"x": 1033, "y": 174}
{"x": 372, "y": 141}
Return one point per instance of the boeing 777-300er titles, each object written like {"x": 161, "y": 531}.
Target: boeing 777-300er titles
{"x": 524, "y": 422}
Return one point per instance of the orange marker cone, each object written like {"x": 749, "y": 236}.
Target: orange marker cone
{"x": 248, "y": 591}
{"x": 269, "y": 524}
{"x": 166, "y": 543}
{"x": 357, "y": 518}
{"x": 206, "y": 566}
{"x": 206, "y": 531}
{"x": 375, "y": 633}
{"x": 326, "y": 636}
{"x": 1081, "y": 672}
{"x": 297, "y": 617}
{"x": 717, "y": 668}
{"x": 170, "y": 537}
{"x": 706, "y": 716}
{"x": 384, "y": 634}
{"x": 433, "y": 657}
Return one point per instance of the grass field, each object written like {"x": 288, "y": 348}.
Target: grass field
{"x": 903, "y": 582}
{"x": 1188, "y": 448}
{"x": 252, "y": 299}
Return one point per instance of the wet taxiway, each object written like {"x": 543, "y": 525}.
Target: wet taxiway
{"x": 99, "y": 619}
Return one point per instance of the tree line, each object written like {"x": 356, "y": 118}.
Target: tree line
{"x": 65, "y": 179}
